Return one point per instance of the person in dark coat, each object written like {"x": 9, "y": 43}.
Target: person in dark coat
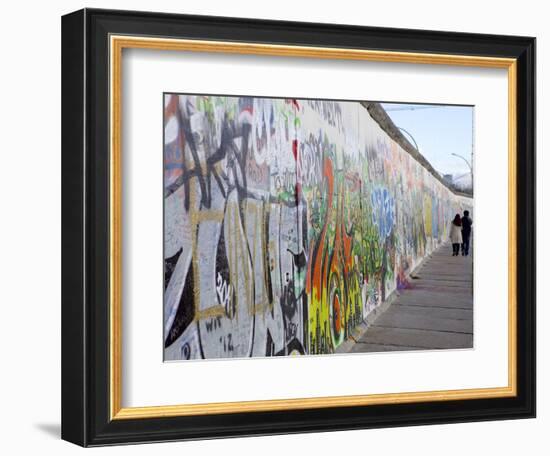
{"x": 466, "y": 232}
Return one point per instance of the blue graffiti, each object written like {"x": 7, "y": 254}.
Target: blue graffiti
{"x": 435, "y": 217}
{"x": 383, "y": 211}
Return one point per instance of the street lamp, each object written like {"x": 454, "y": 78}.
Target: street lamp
{"x": 410, "y": 136}
{"x": 469, "y": 166}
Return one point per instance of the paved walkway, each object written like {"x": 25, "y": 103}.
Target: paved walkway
{"x": 435, "y": 312}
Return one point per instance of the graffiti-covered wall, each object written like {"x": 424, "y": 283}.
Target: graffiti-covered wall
{"x": 286, "y": 223}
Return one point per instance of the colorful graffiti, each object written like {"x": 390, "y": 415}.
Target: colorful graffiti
{"x": 286, "y": 224}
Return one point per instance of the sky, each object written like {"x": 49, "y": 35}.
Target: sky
{"x": 439, "y": 131}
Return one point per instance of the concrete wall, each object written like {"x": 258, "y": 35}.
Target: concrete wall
{"x": 287, "y": 222}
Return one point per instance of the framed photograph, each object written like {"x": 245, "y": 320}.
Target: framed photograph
{"x": 279, "y": 227}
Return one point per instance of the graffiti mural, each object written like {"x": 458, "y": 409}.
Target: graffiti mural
{"x": 287, "y": 222}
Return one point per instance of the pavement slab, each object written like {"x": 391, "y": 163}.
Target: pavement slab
{"x": 420, "y": 338}
{"x": 434, "y": 312}
{"x": 362, "y": 347}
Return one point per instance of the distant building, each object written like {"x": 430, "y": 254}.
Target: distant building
{"x": 460, "y": 182}
{"x": 463, "y": 182}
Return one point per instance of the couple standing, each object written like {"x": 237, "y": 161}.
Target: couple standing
{"x": 461, "y": 230}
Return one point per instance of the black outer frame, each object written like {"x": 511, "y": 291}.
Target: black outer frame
{"x": 85, "y": 227}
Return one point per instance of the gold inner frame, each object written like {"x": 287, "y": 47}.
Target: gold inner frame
{"x": 117, "y": 44}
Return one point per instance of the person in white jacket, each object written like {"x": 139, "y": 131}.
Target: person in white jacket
{"x": 456, "y": 234}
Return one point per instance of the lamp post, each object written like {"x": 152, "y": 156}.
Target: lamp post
{"x": 469, "y": 166}
{"x": 412, "y": 137}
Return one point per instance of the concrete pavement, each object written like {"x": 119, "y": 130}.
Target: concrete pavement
{"x": 434, "y": 312}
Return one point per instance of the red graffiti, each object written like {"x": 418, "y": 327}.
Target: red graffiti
{"x": 295, "y": 149}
